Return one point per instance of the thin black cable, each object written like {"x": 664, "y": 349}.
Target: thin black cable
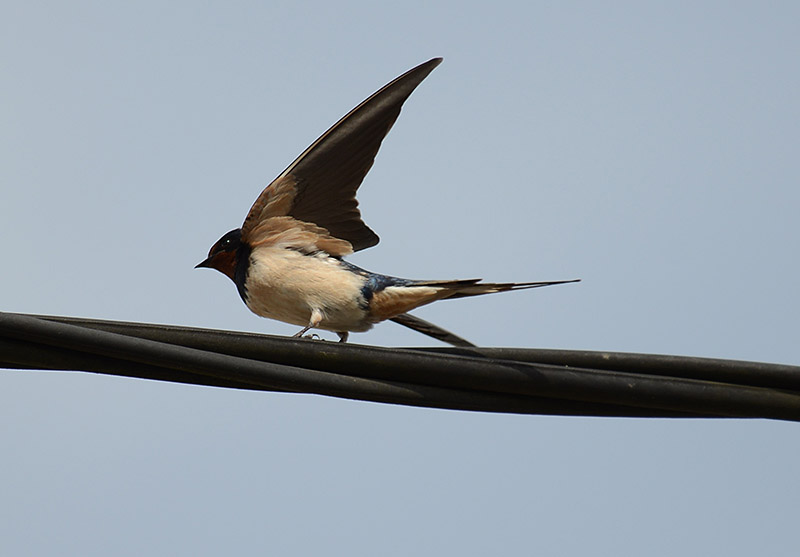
{"x": 777, "y": 376}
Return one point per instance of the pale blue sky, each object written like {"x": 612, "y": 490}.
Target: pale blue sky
{"x": 647, "y": 148}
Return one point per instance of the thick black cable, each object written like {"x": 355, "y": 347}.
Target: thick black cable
{"x": 276, "y": 376}
{"x": 678, "y": 386}
{"x": 485, "y": 374}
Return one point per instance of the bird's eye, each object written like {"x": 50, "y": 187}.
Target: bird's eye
{"x": 229, "y": 242}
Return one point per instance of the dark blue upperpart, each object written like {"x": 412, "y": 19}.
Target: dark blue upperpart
{"x": 242, "y": 267}
{"x": 374, "y": 282}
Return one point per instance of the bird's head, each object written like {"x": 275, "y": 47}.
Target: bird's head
{"x": 223, "y": 255}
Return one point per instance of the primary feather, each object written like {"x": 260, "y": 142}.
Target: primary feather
{"x": 320, "y": 185}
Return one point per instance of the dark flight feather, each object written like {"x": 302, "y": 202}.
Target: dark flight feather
{"x": 427, "y": 328}
{"x": 320, "y": 186}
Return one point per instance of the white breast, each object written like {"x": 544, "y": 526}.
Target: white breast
{"x": 286, "y": 285}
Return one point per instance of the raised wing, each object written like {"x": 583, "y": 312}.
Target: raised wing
{"x": 320, "y": 186}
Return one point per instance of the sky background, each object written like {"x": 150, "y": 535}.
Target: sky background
{"x": 650, "y": 149}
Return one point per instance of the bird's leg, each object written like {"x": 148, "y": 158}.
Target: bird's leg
{"x": 343, "y": 336}
{"x": 316, "y": 317}
{"x": 301, "y": 332}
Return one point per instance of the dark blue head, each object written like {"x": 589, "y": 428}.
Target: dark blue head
{"x": 225, "y": 254}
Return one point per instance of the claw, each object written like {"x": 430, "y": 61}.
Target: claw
{"x": 316, "y": 317}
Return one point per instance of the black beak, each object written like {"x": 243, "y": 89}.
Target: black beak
{"x": 206, "y": 263}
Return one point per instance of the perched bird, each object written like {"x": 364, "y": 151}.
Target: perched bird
{"x": 287, "y": 258}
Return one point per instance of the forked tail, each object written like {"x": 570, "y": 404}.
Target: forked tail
{"x": 473, "y": 287}
{"x": 459, "y": 289}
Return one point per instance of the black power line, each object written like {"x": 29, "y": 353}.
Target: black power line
{"x": 526, "y": 381}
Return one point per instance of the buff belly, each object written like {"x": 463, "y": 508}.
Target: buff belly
{"x": 289, "y": 286}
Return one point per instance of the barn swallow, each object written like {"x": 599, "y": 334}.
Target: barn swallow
{"x": 287, "y": 258}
